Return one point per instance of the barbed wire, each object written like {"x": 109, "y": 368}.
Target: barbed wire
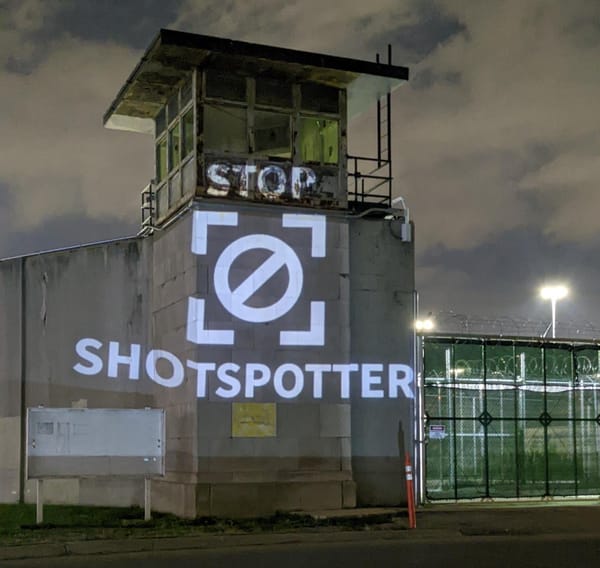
{"x": 452, "y": 322}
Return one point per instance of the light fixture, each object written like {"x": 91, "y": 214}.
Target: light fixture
{"x": 554, "y": 292}
{"x": 424, "y": 324}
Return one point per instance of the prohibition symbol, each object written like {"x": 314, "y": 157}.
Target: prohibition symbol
{"x": 234, "y": 301}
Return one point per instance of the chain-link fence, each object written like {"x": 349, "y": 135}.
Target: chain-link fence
{"x": 511, "y": 417}
{"x": 452, "y": 322}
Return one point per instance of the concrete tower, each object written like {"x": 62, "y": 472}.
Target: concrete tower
{"x": 267, "y": 303}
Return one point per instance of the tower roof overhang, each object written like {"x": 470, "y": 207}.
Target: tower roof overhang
{"x": 173, "y": 54}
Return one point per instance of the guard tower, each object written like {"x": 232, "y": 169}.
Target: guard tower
{"x": 240, "y": 121}
{"x": 267, "y": 305}
{"x": 277, "y": 323}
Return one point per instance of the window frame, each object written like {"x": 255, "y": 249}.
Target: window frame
{"x": 322, "y": 161}
{"x": 295, "y": 112}
{"x": 175, "y": 167}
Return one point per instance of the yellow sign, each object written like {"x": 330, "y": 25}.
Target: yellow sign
{"x": 253, "y": 420}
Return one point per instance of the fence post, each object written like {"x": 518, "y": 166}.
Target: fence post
{"x": 39, "y": 501}
{"x": 147, "y": 499}
{"x": 410, "y": 492}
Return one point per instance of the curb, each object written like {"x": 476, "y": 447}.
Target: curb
{"x": 105, "y": 547}
{"x": 434, "y": 526}
{"x": 108, "y": 547}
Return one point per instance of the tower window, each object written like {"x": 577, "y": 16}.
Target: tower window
{"x": 173, "y": 106}
{"x": 319, "y": 140}
{"x": 187, "y": 136}
{"x": 225, "y": 129}
{"x": 161, "y": 159}
{"x": 174, "y": 143}
{"x": 272, "y": 134}
{"x": 273, "y": 93}
{"x": 225, "y": 86}
{"x": 319, "y": 98}
{"x": 160, "y": 122}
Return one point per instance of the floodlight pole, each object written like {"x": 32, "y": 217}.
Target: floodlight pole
{"x": 553, "y": 293}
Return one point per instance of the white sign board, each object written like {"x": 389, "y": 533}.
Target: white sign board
{"x": 84, "y": 442}
{"x": 437, "y": 432}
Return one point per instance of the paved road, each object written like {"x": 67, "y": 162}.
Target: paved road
{"x": 545, "y": 551}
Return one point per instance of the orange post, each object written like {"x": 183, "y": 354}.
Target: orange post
{"x": 410, "y": 492}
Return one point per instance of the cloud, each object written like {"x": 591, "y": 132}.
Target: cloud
{"x": 64, "y": 231}
{"x": 569, "y": 184}
{"x": 341, "y": 28}
{"x": 503, "y": 277}
{"x": 58, "y": 159}
{"x": 502, "y": 128}
{"x": 500, "y": 104}
{"x": 496, "y": 133}
{"x": 132, "y": 23}
{"x": 20, "y": 20}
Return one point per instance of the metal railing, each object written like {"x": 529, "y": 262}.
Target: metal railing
{"x": 148, "y": 208}
{"x": 369, "y": 181}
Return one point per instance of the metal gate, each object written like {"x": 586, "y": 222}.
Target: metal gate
{"x": 511, "y": 418}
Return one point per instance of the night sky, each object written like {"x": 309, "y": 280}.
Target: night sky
{"x": 496, "y": 137}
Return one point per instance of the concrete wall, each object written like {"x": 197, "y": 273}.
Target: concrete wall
{"x": 381, "y": 320}
{"x": 173, "y": 274}
{"x": 11, "y": 331}
{"x": 93, "y": 291}
{"x": 306, "y": 463}
{"x": 137, "y": 292}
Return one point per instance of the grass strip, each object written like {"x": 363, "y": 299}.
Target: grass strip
{"x": 69, "y": 522}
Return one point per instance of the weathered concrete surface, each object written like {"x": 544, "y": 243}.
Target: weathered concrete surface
{"x": 10, "y": 429}
{"x": 11, "y": 332}
{"x": 94, "y": 291}
{"x": 136, "y": 292}
{"x": 381, "y": 323}
{"x": 307, "y": 462}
